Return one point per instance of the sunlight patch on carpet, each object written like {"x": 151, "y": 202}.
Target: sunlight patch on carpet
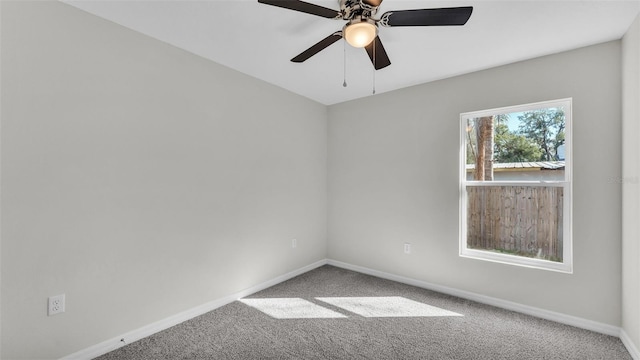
{"x": 386, "y": 306}
{"x": 291, "y": 308}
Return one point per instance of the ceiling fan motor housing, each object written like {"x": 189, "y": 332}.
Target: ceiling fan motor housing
{"x": 353, "y": 9}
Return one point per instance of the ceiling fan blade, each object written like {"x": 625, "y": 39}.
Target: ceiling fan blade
{"x": 304, "y": 7}
{"x": 427, "y": 17}
{"x": 321, "y": 45}
{"x": 381, "y": 59}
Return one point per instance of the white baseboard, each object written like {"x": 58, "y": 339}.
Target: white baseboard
{"x": 131, "y": 336}
{"x": 504, "y": 304}
{"x": 633, "y": 350}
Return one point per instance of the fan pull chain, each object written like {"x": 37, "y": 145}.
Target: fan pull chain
{"x": 344, "y": 50}
{"x": 374, "y": 82}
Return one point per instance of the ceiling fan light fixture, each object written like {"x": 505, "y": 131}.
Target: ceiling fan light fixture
{"x": 360, "y": 33}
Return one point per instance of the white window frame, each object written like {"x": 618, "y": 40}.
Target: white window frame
{"x": 566, "y": 266}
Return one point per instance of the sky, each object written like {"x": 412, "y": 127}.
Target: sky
{"x": 513, "y": 121}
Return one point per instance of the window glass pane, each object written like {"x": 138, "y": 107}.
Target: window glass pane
{"x": 517, "y": 146}
{"x": 517, "y": 220}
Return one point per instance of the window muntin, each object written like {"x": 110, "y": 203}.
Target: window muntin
{"x": 515, "y": 194}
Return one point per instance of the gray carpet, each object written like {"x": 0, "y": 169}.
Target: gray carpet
{"x": 332, "y": 313}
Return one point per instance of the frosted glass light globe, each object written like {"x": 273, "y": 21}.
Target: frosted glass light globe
{"x": 360, "y": 34}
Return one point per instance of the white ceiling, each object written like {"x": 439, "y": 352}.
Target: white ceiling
{"x": 259, "y": 40}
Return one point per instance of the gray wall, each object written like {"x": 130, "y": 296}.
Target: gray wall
{"x": 630, "y": 182}
{"x": 141, "y": 180}
{"x": 393, "y": 178}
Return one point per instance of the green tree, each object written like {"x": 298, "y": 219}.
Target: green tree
{"x": 471, "y": 141}
{"x": 511, "y": 147}
{"x": 545, "y": 128}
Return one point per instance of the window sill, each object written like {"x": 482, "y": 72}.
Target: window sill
{"x": 563, "y": 267}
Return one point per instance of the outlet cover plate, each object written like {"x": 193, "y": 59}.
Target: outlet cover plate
{"x": 56, "y": 305}
{"x": 407, "y": 248}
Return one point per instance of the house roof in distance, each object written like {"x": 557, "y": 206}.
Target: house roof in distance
{"x": 524, "y": 166}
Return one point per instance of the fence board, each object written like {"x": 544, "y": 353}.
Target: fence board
{"x": 521, "y": 220}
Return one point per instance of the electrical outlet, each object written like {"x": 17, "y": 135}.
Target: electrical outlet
{"x": 407, "y": 248}
{"x": 294, "y": 243}
{"x": 56, "y": 305}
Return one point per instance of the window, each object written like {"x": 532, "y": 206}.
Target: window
{"x": 515, "y": 185}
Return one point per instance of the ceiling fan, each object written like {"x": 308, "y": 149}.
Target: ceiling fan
{"x": 361, "y": 29}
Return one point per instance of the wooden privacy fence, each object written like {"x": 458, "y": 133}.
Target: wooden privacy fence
{"x": 521, "y": 220}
